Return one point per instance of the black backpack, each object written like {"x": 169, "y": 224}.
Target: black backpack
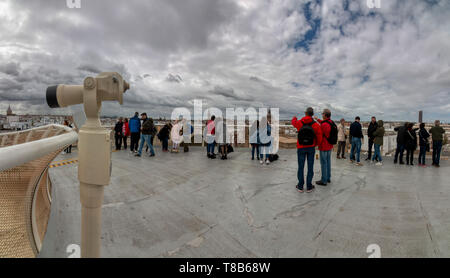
{"x": 306, "y": 134}
{"x": 333, "y": 132}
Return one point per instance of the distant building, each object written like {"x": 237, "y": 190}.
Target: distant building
{"x": 9, "y": 111}
{"x": 420, "y": 116}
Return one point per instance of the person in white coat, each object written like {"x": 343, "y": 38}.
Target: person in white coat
{"x": 342, "y": 139}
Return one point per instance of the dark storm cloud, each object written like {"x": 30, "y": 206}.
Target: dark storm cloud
{"x": 10, "y": 68}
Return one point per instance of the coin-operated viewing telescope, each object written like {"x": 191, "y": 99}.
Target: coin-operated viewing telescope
{"x": 94, "y": 148}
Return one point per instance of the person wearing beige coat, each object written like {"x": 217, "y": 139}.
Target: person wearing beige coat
{"x": 341, "y": 140}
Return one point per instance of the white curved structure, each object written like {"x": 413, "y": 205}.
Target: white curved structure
{"x": 25, "y": 187}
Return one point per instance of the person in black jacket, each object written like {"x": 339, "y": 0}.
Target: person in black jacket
{"x": 410, "y": 143}
{"x": 118, "y": 134}
{"x": 357, "y": 135}
{"x": 424, "y": 144}
{"x": 372, "y": 127}
{"x": 401, "y": 132}
{"x": 164, "y": 135}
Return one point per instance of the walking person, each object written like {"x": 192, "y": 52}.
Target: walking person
{"x": 265, "y": 141}
{"x": 135, "y": 130}
{"x": 342, "y": 140}
{"x": 329, "y": 133}
{"x": 309, "y": 136}
{"x": 126, "y": 132}
{"x": 370, "y": 130}
{"x": 401, "y": 132}
{"x": 254, "y": 139}
{"x": 118, "y": 134}
{"x": 424, "y": 144}
{"x": 147, "y": 131}
{"x": 437, "y": 135}
{"x": 410, "y": 143}
{"x": 378, "y": 135}
{"x": 357, "y": 136}
{"x": 210, "y": 131}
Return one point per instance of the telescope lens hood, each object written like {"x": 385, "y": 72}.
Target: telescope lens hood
{"x": 52, "y": 100}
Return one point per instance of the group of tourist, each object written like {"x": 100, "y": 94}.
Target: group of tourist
{"x": 324, "y": 134}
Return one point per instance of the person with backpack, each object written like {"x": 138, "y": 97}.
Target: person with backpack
{"x": 370, "y": 130}
{"x": 378, "y": 135}
{"x": 342, "y": 139}
{"x": 330, "y": 134}
{"x": 135, "y": 130}
{"x": 410, "y": 143}
{"x": 423, "y": 143}
{"x": 148, "y": 130}
{"x": 308, "y": 137}
{"x": 357, "y": 136}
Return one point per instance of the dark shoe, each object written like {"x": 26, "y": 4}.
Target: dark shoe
{"x": 344, "y": 157}
{"x": 402, "y": 163}
{"x": 437, "y": 165}
{"x": 321, "y": 183}
{"x": 152, "y": 155}
{"x": 208, "y": 155}
{"x": 328, "y": 181}
{"x": 253, "y": 158}
{"x": 299, "y": 188}
{"x": 138, "y": 155}
{"x": 338, "y": 157}
{"x": 395, "y": 161}
{"x": 213, "y": 156}
{"x": 310, "y": 189}
{"x": 367, "y": 159}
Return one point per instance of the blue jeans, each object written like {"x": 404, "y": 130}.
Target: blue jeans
{"x": 146, "y": 138}
{"x": 210, "y": 148}
{"x": 377, "y": 153}
{"x": 356, "y": 147}
{"x": 422, "y": 153}
{"x": 302, "y": 155}
{"x": 437, "y": 147}
{"x": 325, "y": 166}
{"x": 399, "y": 152}
{"x": 264, "y": 150}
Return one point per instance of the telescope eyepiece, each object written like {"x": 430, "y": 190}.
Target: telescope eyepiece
{"x": 52, "y": 100}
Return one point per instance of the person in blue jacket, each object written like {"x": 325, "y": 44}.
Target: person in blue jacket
{"x": 135, "y": 130}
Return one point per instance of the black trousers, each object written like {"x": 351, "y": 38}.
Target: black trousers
{"x": 135, "y": 136}
{"x": 369, "y": 156}
{"x": 118, "y": 142}
{"x": 399, "y": 152}
{"x": 409, "y": 157}
{"x": 125, "y": 138}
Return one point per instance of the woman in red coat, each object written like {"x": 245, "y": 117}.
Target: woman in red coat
{"x": 125, "y": 132}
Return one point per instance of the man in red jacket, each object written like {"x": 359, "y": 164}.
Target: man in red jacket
{"x": 325, "y": 148}
{"x": 309, "y": 136}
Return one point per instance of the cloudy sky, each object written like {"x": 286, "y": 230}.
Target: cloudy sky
{"x": 290, "y": 54}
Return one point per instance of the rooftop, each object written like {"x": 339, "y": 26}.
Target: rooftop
{"x": 185, "y": 205}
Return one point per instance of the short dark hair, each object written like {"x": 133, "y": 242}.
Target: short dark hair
{"x": 309, "y": 111}
{"x": 373, "y": 117}
{"x": 422, "y": 125}
{"x": 144, "y": 114}
{"x": 357, "y": 118}
{"x": 327, "y": 113}
{"x": 213, "y": 118}
{"x": 136, "y": 113}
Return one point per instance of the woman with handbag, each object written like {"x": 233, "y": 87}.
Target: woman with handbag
{"x": 424, "y": 144}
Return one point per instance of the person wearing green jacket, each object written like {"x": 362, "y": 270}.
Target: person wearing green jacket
{"x": 378, "y": 142}
{"x": 437, "y": 135}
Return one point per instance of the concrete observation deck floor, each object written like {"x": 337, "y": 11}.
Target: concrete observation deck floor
{"x": 185, "y": 205}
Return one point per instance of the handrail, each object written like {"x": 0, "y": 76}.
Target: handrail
{"x": 15, "y": 155}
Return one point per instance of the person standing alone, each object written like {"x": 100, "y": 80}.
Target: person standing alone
{"x": 309, "y": 136}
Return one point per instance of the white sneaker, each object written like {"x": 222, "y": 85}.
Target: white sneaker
{"x": 379, "y": 164}
{"x": 261, "y": 162}
{"x": 267, "y": 162}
